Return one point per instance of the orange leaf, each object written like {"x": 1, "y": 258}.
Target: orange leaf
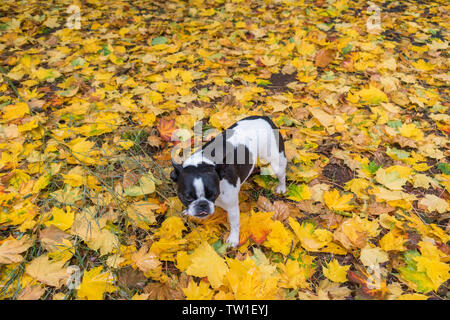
{"x": 166, "y": 128}
{"x": 324, "y": 57}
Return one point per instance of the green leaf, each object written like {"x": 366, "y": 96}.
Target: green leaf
{"x": 265, "y": 181}
{"x": 159, "y": 40}
{"x": 394, "y": 123}
{"x": 299, "y": 192}
{"x": 411, "y": 274}
{"x": 263, "y": 82}
{"x": 372, "y": 167}
{"x": 220, "y": 247}
{"x": 347, "y": 49}
{"x": 78, "y": 62}
{"x": 215, "y": 56}
{"x": 444, "y": 167}
{"x": 104, "y": 50}
{"x": 397, "y": 154}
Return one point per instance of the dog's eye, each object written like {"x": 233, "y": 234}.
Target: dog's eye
{"x": 211, "y": 195}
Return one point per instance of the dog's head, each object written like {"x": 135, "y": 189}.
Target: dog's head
{"x": 198, "y": 188}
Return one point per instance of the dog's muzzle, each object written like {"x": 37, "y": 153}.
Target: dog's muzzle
{"x": 200, "y": 208}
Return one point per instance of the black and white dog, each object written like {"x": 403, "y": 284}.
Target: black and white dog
{"x": 213, "y": 175}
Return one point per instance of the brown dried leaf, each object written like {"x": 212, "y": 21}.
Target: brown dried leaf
{"x": 130, "y": 278}
{"x": 282, "y": 210}
{"x": 264, "y": 204}
{"x": 154, "y": 141}
{"x": 52, "y": 236}
{"x": 164, "y": 291}
{"x": 309, "y": 206}
{"x": 10, "y": 249}
{"x": 378, "y": 208}
{"x": 324, "y": 57}
{"x": 130, "y": 179}
{"x": 31, "y": 293}
{"x": 332, "y": 220}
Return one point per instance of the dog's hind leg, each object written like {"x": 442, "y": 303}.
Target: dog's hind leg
{"x": 278, "y": 165}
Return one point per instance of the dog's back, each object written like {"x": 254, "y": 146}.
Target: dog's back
{"x": 260, "y": 135}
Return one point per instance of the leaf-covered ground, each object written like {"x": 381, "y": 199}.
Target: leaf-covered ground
{"x": 87, "y": 207}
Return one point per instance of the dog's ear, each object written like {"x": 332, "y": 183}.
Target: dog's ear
{"x": 176, "y": 171}
{"x": 220, "y": 169}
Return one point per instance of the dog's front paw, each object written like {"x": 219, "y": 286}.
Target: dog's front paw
{"x": 280, "y": 189}
{"x": 233, "y": 240}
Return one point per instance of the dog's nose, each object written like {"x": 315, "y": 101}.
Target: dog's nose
{"x": 203, "y": 205}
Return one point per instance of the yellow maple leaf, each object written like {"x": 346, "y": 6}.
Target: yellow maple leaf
{"x": 358, "y": 186}
{"x": 199, "y": 291}
{"x": 336, "y": 202}
{"x": 372, "y": 95}
{"x": 63, "y": 250}
{"x": 15, "y": 111}
{"x": 311, "y": 239}
{"x": 429, "y": 250}
{"x": 183, "y": 260}
{"x": 411, "y": 131}
{"x": 81, "y": 149}
{"x": 270, "y": 61}
{"x": 205, "y": 262}
{"x": 186, "y": 76}
{"x": 335, "y": 272}
{"x": 299, "y": 192}
{"x": 294, "y": 275}
{"x": 46, "y": 74}
{"x": 145, "y": 260}
{"x": 422, "y": 65}
{"x": 248, "y": 282}
{"x": 279, "y": 239}
{"x": 92, "y": 231}
{"x": 171, "y": 228}
{"x": 325, "y": 119}
{"x": 95, "y": 283}
{"x": 438, "y": 272}
{"x": 222, "y": 119}
{"x": 142, "y": 214}
{"x": 355, "y": 232}
{"x": 60, "y": 218}
{"x": 255, "y": 226}
{"x": 422, "y": 180}
{"x": 393, "y": 241}
{"x": 105, "y": 241}
{"x": 31, "y": 293}
{"x": 394, "y": 198}
{"x": 74, "y": 177}
{"x": 167, "y": 249}
{"x": 146, "y": 186}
